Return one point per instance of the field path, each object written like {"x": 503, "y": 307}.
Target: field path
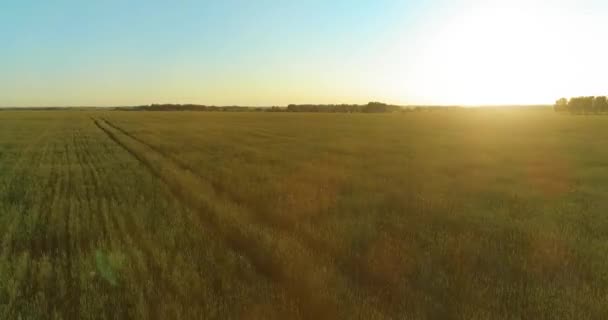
{"x": 277, "y": 255}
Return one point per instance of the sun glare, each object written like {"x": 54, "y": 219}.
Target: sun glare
{"x": 511, "y": 55}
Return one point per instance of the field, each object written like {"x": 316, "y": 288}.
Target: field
{"x": 471, "y": 214}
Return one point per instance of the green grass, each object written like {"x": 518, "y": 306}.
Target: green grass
{"x": 471, "y": 214}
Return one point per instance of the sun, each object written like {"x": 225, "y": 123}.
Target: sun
{"x": 510, "y": 55}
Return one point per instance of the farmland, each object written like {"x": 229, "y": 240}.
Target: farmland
{"x": 465, "y": 214}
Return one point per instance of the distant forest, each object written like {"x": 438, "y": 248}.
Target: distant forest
{"x": 582, "y": 105}
{"x": 372, "y": 107}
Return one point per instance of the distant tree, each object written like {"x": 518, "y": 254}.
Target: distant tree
{"x": 574, "y": 105}
{"x": 561, "y": 105}
{"x": 600, "y": 104}
{"x": 379, "y": 107}
{"x": 581, "y": 105}
{"x": 588, "y": 104}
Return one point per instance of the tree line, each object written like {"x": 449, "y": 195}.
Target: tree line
{"x": 582, "y": 105}
{"x": 190, "y": 107}
{"x": 372, "y": 107}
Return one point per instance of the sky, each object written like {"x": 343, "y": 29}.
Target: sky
{"x": 276, "y": 52}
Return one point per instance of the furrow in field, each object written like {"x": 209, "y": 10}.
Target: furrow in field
{"x": 96, "y": 197}
{"x": 130, "y": 231}
{"x": 103, "y": 198}
{"x": 86, "y": 196}
{"x": 18, "y": 237}
{"x": 47, "y": 202}
{"x": 99, "y": 218}
{"x": 188, "y": 249}
{"x": 41, "y": 254}
{"x": 350, "y": 264}
{"x": 182, "y": 166}
{"x": 29, "y": 202}
{"x": 274, "y": 254}
{"x": 219, "y": 189}
{"x": 323, "y": 253}
{"x": 106, "y": 196}
{"x": 13, "y": 208}
{"x": 80, "y": 242}
{"x": 57, "y": 236}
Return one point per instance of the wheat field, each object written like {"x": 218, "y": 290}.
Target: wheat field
{"x": 462, "y": 214}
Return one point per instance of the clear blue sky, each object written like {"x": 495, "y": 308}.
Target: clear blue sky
{"x": 277, "y": 52}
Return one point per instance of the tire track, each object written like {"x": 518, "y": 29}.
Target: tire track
{"x": 119, "y": 231}
{"x": 60, "y": 239}
{"x": 85, "y": 169}
{"x": 217, "y": 187}
{"x": 84, "y": 186}
{"x": 39, "y": 245}
{"x": 282, "y": 225}
{"x": 94, "y": 198}
{"x": 80, "y": 196}
{"x": 281, "y": 259}
{"x": 130, "y": 228}
{"x": 324, "y": 254}
{"x": 194, "y": 224}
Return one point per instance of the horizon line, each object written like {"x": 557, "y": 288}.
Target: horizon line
{"x": 281, "y": 106}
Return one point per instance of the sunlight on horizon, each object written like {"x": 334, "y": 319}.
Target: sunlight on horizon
{"x": 517, "y": 53}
